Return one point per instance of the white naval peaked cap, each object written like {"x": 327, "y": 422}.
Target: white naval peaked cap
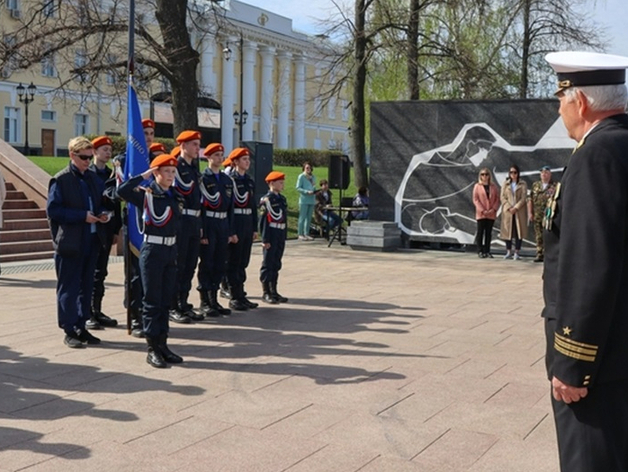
{"x": 581, "y": 68}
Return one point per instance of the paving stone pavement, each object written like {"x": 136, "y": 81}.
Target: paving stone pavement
{"x": 407, "y": 361}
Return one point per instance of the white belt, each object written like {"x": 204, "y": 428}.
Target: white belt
{"x": 216, "y": 214}
{"x": 187, "y": 211}
{"x": 242, "y": 211}
{"x": 277, "y": 225}
{"x": 163, "y": 240}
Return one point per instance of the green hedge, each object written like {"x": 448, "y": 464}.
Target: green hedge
{"x": 119, "y": 143}
{"x": 296, "y": 157}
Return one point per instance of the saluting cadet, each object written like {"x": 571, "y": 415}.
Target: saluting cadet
{"x": 102, "y": 155}
{"x": 273, "y": 231}
{"x": 586, "y": 267}
{"x": 136, "y": 294}
{"x": 76, "y": 215}
{"x": 158, "y": 256}
{"x": 187, "y": 184}
{"x": 245, "y": 227}
{"x": 218, "y": 232}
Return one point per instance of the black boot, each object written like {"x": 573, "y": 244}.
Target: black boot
{"x": 215, "y": 306}
{"x": 207, "y": 307}
{"x": 169, "y": 356}
{"x": 155, "y": 357}
{"x": 187, "y": 308}
{"x": 137, "y": 330}
{"x": 236, "y": 302}
{"x": 268, "y": 296}
{"x": 275, "y": 294}
{"x": 248, "y": 302}
{"x": 225, "y": 290}
{"x": 97, "y": 313}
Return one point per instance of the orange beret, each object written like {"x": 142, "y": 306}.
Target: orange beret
{"x": 185, "y": 136}
{"x": 227, "y": 162}
{"x": 175, "y": 151}
{"x": 148, "y": 123}
{"x": 101, "y": 141}
{"x": 274, "y": 175}
{"x": 156, "y": 147}
{"x": 237, "y": 153}
{"x": 163, "y": 161}
{"x": 213, "y": 148}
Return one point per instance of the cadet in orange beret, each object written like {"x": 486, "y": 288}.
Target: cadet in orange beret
{"x": 273, "y": 231}
{"x": 149, "y": 131}
{"x": 218, "y": 231}
{"x": 245, "y": 225}
{"x": 102, "y": 156}
{"x": 187, "y": 184}
{"x": 156, "y": 149}
{"x": 158, "y": 255}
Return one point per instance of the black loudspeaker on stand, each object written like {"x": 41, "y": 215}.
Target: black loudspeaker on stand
{"x": 339, "y": 177}
{"x": 261, "y": 165}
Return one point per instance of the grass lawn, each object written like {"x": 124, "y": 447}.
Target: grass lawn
{"x": 52, "y": 165}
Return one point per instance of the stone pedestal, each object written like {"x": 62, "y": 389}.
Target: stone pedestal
{"x": 373, "y": 235}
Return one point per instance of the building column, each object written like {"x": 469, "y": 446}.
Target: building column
{"x": 284, "y": 100}
{"x": 208, "y": 77}
{"x": 298, "y": 139}
{"x": 228, "y": 98}
{"x": 249, "y": 55}
{"x": 268, "y": 95}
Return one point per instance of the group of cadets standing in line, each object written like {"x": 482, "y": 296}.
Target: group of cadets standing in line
{"x": 189, "y": 218}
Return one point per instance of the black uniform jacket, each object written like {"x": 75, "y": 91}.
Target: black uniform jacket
{"x": 585, "y": 279}
{"x": 273, "y": 217}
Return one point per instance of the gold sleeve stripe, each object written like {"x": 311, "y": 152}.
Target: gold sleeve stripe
{"x": 575, "y": 343}
{"x": 570, "y": 347}
{"x": 574, "y": 355}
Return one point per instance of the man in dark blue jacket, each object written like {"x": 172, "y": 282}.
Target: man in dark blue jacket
{"x": 76, "y": 217}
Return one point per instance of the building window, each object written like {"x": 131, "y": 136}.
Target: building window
{"x": 48, "y": 66}
{"x": 11, "y": 124}
{"x": 48, "y": 9}
{"x": 318, "y": 106}
{"x": 81, "y": 124}
{"x": 331, "y": 108}
{"x": 345, "y": 110}
{"x": 111, "y": 72}
{"x": 13, "y": 5}
{"x": 80, "y": 61}
{"x": 48, "y": 115}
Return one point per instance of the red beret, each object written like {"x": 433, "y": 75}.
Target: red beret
{"x": 156, "y": 147}
{"x": 274, "y": 175}
{"x": 185, "y": 136}
{"x": 175, "y": 151}
{"x": 213, "y": 148}
{"x": 163, "y": 161}
{"x": 237, "y": 153}
{"x": 148, "y": 123}
{"x": 101, "y": 141}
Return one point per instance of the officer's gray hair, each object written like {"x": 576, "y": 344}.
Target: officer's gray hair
{"x": 602, "y": 97}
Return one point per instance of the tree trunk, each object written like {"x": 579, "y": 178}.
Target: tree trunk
{"x": 412, "y": 58}
{"x": 525, "y": 54}
{"x": 358, "y": 129}
{"x": 182, "y": 60}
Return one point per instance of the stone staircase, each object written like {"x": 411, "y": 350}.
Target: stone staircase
{"x": 25, "y": 235}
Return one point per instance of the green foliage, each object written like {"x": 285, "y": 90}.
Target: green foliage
{"x": 296, "y": 157}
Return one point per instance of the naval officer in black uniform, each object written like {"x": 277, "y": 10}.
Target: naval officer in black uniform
{"x": 586, "y": 267}
{"x": 158, "y": 256}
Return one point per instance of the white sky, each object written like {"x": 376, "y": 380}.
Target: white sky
{"x": 611, "y": 14}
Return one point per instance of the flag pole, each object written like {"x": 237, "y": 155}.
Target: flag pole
{"x": 127, "y": 250}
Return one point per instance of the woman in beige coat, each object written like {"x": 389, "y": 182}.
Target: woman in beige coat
{"x": 514, "y": 223}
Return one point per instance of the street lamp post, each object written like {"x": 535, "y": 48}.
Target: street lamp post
{"x": 26, "y": 95}
{"x": 238, "y": 116}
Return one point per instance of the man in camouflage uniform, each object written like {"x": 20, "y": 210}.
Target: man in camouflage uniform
{"x": 540, "y": 193}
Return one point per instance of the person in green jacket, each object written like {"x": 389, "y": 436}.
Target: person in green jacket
{"x": 306, "y": 186}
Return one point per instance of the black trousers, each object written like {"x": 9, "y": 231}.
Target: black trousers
{"x": 271, "y": 262}
{"x": 239, "y": 254}
{"x": 593, "y": 433}
{"x": 484, "y": 235}
{"x": 188, "y": 246}
{"x": 213, "y": 256}
{"x": 102, "y": 262}
{"x": 158, "y": 265}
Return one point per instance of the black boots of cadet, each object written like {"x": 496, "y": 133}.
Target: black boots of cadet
{"x": 210, "y": 306}
{"x": 159, "y": 354}
{"x": 271, "y": 295}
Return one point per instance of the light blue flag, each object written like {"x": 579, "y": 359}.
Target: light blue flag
{"x": 137, "y": 161}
